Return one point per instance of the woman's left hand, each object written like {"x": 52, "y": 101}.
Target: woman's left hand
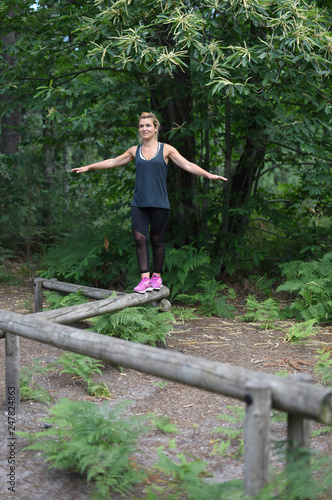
{"x": 215, "y": 177}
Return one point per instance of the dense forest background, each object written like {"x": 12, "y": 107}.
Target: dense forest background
{"x": 241, "y": 87}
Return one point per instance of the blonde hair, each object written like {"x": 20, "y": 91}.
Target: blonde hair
{"x": 148, "y": 114}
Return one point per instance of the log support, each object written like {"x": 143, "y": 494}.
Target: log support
{"x": 257, "y": 436}
{"x": 298, "y": 427}
{"x": 301, "y": 399}
{"x": 12, "y": 343}
{"x": 38, "y": 289}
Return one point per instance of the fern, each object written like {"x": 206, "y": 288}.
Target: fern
{"x": 266, "y": 312}
{"x": 185, "y": 478}
{"x": 78, "y": 365}
{"x": 162, "y": 423}
{"x": 84, "y": 257}
{"x": 186, "y": 267}
{"x": 263, "y": 283}
{"x": 56, "y": 300}
{"x": 301, "y": 332}
{"x": 94, "y": 441}
{"x": 210, "y": 299}
{"x": 83, "y": 367}
{"x": 144, "y": 325}
{"x": 29, "y": 389}
{"x": 312, "y": 282}
{"x": 323, "y": 367}
{"x": 233, "y": 433}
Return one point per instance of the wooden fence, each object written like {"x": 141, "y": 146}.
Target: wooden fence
{"x": 301, "y": 399}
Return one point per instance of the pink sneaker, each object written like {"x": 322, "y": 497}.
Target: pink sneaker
{"x": 156, "y": 282}
{"x": 145, "y": 285}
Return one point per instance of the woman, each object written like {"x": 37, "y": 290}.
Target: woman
{"x": 150, "y": 205}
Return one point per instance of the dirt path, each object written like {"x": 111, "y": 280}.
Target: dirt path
{"x": 193, "y": 411}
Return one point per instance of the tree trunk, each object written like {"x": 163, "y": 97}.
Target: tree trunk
{"x": 238, "y": 190}
{"x": 48, "y": 168}
{"x": 242, "y": 182}
{"x": 10, "y": 124}
{"x": 177, "y": 112}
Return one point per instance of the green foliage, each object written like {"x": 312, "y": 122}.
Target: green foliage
{"x": 312, "y": 283}
{"x": 232, "y": 432}
{"x": 95, "y": 441}
{"x": 301, "y": 332}
{"x": 210, "y": 299}
{"x": 144, "y": 325}
{"x": 266, "y": 312}
{"x": 307, "y": 475}
{"x": 162, "y": 423}
{"x": 83, "y": 367}
{"x": 29, "y": 388}
{"x": 183, "y": 477}
{"x": 183, "y": 314}
{"x": 7, "y": 277}
{"x": 265, "y": 105}
{"x": 160, "y": 384}
{"x": 263, "y": 283}
{"x": 323, "y": 367}
{"x": 185, "y": 268}
{"x": 56, "y": 300}
{"x": 89, "y": 254}
{"x": 98, "y": 442}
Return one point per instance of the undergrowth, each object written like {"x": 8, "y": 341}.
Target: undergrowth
{"x": 312, "y": 283}
{"x": 266, "y": 312}
{"x": 29, "y": 388}
{"x": 142, "y": 324}
{"x": 99, "y": 442}
{"x": 95, "y": 441}
{"x": 83, "y": 367}
{"x": 232, "y": 432}
{"x": 208, "y": 299}
{"x": 323, "y": 367}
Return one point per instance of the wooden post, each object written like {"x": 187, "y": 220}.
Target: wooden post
{"x": 298, "y": 439}
{"x": 12, "y": 374}
{"x": 298, "y": 428}
{"x": 38, "y": 286}
{"x": 257, "y": 436}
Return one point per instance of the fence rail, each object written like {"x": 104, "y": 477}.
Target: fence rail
{"x": 301, "y": 399}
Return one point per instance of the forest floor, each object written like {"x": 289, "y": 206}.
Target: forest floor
{"x": 194, "y": 412}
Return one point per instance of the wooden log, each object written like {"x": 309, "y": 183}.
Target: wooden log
{"x": 70, "y": 314}
{"x": 257, "y": 437}
{"x": 298, "y": 441}
{"x": 163, "y": 305}
{"x": 298, "y": 428}
{"x": 309, "y": 400}
{"x": 87, "y": 291}
{"x": 12, "y": 343}
{"x": 38, "y": 289}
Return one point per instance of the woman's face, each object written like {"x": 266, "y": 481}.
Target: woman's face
{"x": 146, "y": 128}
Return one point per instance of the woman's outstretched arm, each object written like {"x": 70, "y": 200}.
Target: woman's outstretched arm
{"x": 192, "y": 168}
{"x": 123, "y": 159}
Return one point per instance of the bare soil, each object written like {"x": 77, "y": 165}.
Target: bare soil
{"x": 193, "y": 411}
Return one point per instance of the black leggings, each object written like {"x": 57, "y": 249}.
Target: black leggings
{"x": 156, "y": 219}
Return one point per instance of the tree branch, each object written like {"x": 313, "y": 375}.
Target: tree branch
{"x": 299, "y": 152}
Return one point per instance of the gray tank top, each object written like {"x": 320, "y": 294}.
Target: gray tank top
{"x": 150, "y": 183}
